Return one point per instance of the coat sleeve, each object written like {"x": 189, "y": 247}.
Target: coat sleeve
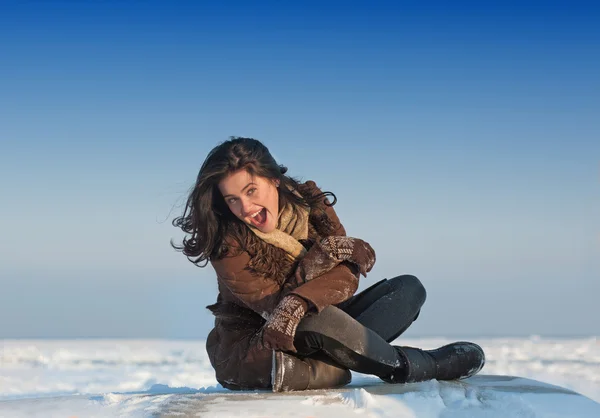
{"x": 252, "y": 290}
{"x": 331, "y": 288}
{"x": 335, "y": 286}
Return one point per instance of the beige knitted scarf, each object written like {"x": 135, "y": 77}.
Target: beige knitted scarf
{"x": 292, "y": 226}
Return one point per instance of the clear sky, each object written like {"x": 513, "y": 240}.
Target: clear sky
{"x": 461, "y": 139}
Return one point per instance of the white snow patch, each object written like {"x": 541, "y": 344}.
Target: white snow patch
{"x": 106, "y": 378}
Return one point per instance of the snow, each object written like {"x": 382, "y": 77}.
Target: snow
{"x": 102, "y": 378}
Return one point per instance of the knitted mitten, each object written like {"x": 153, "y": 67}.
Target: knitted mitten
{"x": 316, "y": 262}
{"x": 331, "y": 251}
{"x": 350, "y": 249}
{"x": 279, "y": 330}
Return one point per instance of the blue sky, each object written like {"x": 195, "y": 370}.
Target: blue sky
{"x": 462, "y": 143}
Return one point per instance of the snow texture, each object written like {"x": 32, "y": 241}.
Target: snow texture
{"x": 105, "y": 378}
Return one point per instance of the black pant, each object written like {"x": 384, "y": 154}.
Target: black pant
{"x": 356, "y": 334}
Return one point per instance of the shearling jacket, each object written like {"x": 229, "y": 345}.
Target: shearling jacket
{"x": 252, "y": 284}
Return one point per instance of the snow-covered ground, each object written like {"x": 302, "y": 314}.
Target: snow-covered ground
{"x": 110, "y": 375}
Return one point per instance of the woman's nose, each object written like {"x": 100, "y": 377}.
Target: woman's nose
{"x": 246, "y": 207}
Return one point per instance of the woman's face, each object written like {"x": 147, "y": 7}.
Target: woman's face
{"x": 253, "y": 199}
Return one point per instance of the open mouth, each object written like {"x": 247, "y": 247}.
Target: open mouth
{"x": 259, "y": 219}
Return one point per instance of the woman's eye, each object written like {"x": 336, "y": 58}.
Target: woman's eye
{"x": 231, "y": 200}
{"x": 251, "y": 191}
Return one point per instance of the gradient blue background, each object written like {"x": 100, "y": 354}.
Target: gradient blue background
{"x": 461, "y": 139}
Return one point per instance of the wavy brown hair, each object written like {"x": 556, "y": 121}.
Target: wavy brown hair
{"x": 207, "y": 218}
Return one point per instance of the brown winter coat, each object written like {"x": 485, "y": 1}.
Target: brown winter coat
{"x": 251, "y": 285}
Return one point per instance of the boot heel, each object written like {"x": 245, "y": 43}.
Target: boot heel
{"x": 291, "y": 373}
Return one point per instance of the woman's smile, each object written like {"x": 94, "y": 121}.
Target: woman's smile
{"x": 259, "y": 218}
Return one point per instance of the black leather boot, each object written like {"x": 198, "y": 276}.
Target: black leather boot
{"x": 453, "y": 361}
{"x": 292, "y": 373}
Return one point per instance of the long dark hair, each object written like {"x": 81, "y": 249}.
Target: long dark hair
{"x": 207, "y": 218}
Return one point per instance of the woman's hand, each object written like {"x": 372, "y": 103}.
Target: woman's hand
{"x": 332, "y": 250}
{"x": 317, "y": 261}
{"x": 354, "y": 250}
{"x": 279, "y": 330}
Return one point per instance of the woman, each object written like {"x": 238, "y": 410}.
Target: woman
{"x": 286, "y": 317}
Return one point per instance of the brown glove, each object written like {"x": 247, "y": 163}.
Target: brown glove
{"x": 279, "y": 330}
{"x": 332, "y": 250}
